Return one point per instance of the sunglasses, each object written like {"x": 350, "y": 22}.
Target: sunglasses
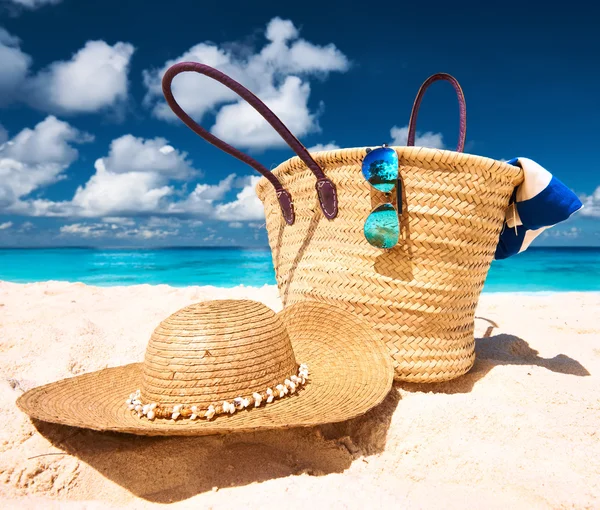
{"x": 380, "y": 169}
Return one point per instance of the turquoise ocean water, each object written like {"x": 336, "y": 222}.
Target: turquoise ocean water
{"x": 538, "y": 269}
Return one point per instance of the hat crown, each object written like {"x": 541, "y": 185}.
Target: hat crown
{"x": 214, "y": 351}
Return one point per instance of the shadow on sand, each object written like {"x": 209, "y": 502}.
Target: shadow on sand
{"x": 181, "y": 467}
{"x": 497, "y": 350}
{"x": 171, "y": 469}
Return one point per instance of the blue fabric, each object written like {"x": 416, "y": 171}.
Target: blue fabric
{"x": 549, "y": 207}
{"x": 510, "y": 242}
{"x": 544, "y": 208}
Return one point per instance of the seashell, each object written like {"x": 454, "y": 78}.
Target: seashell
{"x": 175, "y": 415}
{"x": 194, "y": 409}
{"x": 287, "y": 382}
{"x": 295, "y": 379}
{"x": 246, "y": 402}
{"x": 153, "y": 405}
{"x": 210, "y": 412}
{"x": 238, "y": 402}
{"x": 281, "y": 389}
{"x": 145, "y": 409}
{"x": 193, "y": 416}
{"x": 138, "y": 408}
{"x": 257, "y": 399}
{"x": 151, "y": 415}
{"x": 128, "y": 401}
{"x": 292, "y": 387}
{"x": 131, "y": 407}
{"x": 177, "y": 408}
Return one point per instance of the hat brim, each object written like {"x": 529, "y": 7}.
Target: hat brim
{"x": 350, "y": 373}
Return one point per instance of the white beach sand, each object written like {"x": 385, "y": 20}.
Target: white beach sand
{"x": 521, "y": 430}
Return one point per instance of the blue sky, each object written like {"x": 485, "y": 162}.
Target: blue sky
{"x": 90, "y": 156}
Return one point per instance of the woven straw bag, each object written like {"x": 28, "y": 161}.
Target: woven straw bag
{"x": 420, "y": 295}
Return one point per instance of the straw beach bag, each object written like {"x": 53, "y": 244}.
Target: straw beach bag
{"x": 419, "y": 295}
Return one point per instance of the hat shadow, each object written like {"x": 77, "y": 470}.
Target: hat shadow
{"x": 171, "y": 469}
{"x": 497, "y": 350}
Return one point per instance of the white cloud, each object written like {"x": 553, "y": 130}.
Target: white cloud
{"x": 94, "y": 79}
{"x": 129, "y": 154}
{"x": 429, "y": 139}
{"x": 591, "y": 204}
{"x": 108, "y": 193}
{"x": 35, "y": 158}
{"x": 236, "y": 224}
{"x": 6, "y": 225}
{"x": 15, "y": 65}
{"x": 240, "y": 123}
{"x": 83, "y": 230}
{"x": 138, "y": 177}
{"x": 201, "y": 200}
{"x": 34, "y": 4}
{"x": 245, "y": 207}
{"x": 331, "y": 146}
{"x": 96, "y": 230}
{"x": 571, "y": 233}
{"x": 277, "y": 73}
{"x": 134, "y": 178}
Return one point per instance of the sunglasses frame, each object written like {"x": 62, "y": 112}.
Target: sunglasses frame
{"x": 389, "y": 199}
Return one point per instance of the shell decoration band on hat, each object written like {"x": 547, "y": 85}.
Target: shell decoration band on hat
{"x": 224, "y": 366}
{"x": 154, "y": 410}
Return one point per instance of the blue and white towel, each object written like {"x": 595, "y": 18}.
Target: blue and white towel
{"x": 540, "y": 202}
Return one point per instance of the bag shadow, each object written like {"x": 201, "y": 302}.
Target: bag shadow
{"x": 498, "y": 350}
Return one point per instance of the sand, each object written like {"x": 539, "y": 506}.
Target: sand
{"x": 519, "y": 431}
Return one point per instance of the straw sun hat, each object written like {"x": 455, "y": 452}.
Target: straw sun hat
{"x": 230, "y": 365}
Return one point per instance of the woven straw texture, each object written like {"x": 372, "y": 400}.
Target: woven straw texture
{"x": 420, "y": 295}
{"x": 219, "y": 350}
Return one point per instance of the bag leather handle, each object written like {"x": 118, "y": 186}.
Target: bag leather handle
{"x": 412, "y": 125}
{"x": 326, "y": 189}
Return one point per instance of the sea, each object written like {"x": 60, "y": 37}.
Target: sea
{"x": 536, "y": 270}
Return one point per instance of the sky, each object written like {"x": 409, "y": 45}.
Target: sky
{"x": 90, "y": 155}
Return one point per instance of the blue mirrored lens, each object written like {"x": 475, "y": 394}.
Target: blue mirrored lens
{"x": 380, "y": 168}
{"x": 382, "y": 228}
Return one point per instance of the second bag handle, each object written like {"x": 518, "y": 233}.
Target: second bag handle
{"x": 412, "y": 125}
{"x": 326, "y": 189}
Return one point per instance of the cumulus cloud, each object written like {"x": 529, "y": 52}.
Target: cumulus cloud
{"x": 36, "y": 158}
{"x": 240, "y": 123}
{"x": 278, "y": 74}
{"x": 33, "y": 4}
{"x": 571, "y": 233}
{"x": 428, "y": 139}
{"x": 246, "y": 206}
{"x": 137, "y": 178}
{"x": 331, "y": 146}
{"x": 591, "y": 204}
{"x": 15, "y": 65}
{"x": 6, "y": 225}
{"x": 134, "y": 178}
{"x": 95, "y": 78}
{"x": 112, "y": 230}
{"x": 201, "y": 200}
